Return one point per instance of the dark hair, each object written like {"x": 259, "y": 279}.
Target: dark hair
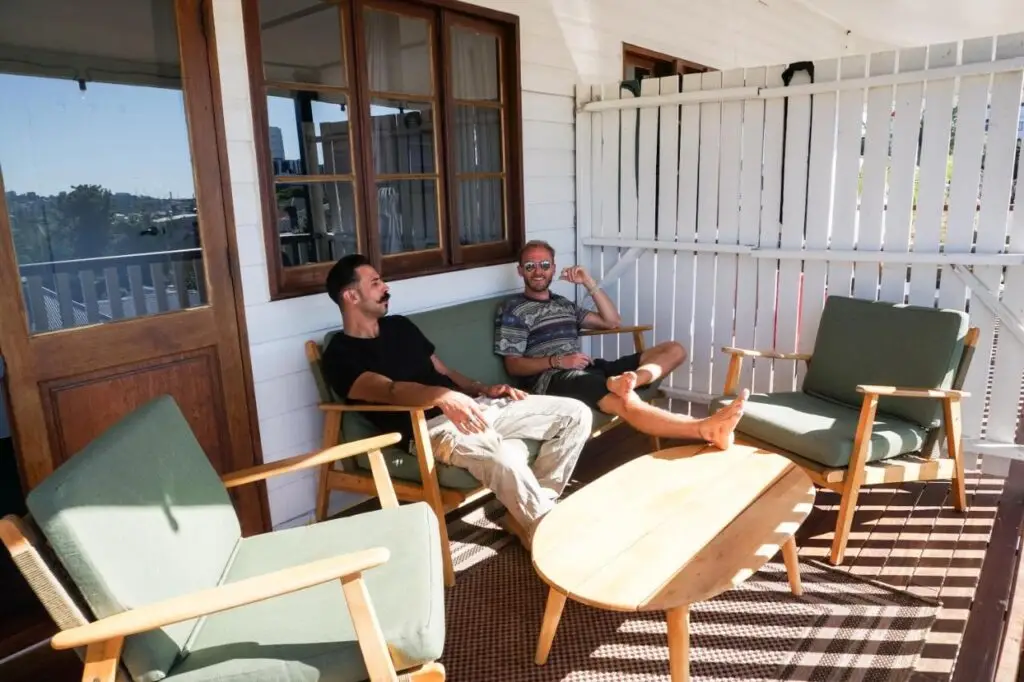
{"x": 536, "y": 243}
{"x": 344, "y": 274}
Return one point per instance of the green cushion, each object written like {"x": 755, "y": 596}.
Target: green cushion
{"x": 137, "y": 516}
{"x": 868, "y": 342}
{"x": 308, "y": 635}
{"x": 821, "y": 430}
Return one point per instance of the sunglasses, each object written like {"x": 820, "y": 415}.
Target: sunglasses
{"x": 530, "y": 266}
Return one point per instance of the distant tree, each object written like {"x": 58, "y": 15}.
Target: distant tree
{"x": 86, "y": 211}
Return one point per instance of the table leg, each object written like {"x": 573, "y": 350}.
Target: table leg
{"x": 679, "y": 643}
{"x": 552, "y": 614}
{"x": 789, "y": 555}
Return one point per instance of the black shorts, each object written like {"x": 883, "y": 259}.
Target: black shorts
{"x": 591, "y": 384}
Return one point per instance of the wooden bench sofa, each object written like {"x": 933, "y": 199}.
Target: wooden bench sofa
{"x": 464, "y": 337}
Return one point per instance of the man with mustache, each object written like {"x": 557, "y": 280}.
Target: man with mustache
{"x": 379, "y": 358}
{"x": 538, "y": 334}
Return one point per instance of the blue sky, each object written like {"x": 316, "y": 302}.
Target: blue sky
{"x": 125, "y": 138}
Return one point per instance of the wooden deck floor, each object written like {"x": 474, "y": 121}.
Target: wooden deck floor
{"x": 909, "y": 536}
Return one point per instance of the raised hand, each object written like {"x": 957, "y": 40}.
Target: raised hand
{"x": 576, "y": 274}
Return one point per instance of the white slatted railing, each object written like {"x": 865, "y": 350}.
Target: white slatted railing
{"x": 890, "y": 177}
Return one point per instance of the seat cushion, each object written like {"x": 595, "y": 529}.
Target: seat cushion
{"x": 822, "y": 430}
{"x": 873, "y": 342}
{"x": 308, "y": 635}
{"x": 137, "y": 516}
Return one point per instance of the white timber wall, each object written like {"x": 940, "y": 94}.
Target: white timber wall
{"x": 563, "y": 42}
{"x": 749, "y": 202}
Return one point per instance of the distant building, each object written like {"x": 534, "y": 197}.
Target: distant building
{"x": 276, "y": 144}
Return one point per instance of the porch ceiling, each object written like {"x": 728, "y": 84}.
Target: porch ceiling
{"x": 909, "y": 23}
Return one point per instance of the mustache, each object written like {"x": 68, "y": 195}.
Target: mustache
{"x": 385, "y": 298}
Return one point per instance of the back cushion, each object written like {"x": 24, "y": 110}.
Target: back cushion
{"x": 868, "y": 342}
{"x": 137, "y": 516}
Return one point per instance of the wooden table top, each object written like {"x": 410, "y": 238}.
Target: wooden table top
{"x": 673, "y": 527}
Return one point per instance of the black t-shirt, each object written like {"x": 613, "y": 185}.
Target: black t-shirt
{"x": 400, "y": 352}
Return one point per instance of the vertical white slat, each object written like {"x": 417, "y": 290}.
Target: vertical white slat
{"x": 963, "y": 200}
{"x": 844, "y": 204}
{"x": 820, "y": 172}
{"x": 686, "y": 229}
{"x": 37, "y": 305}
{"x": 608, "y": 346}
{"x": 768, "y": 238}
{"x": 647, "y": 193}
{"x": 586, "y": 168}
{"x": 87, "y": 278}
{"x": 707, "y": 231}
{"x": 1004, "y": 113}
{"x": 65, "y": 300}
{"x": 728, "y": 229}
{"x": 113, "y": 281}
{"x": 931, "y": 186}
{"x": 180, "y": 283}
{"x": 906, "y": 130}
{"x": 138, "y": 290}
{"x": 156, "y": 271}
{"x": 794, "y": 214}
{"x": 876, "y": 162}
{"x": 750, "y": 220}
{"x": 1009, "y": 367}
{"x": 628, "y": 208}
{"x": 668, "y": 192}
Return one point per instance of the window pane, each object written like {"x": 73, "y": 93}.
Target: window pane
{"x": 398, "y": 55}
{"x": 478, "y": 140}
{"x": 407, "y": 213}
{"x": 474, "y": 64}
{"x": 316, "y": 222}
{"x": 98, "y": 176}
{"x": 403, "y": 137}
{"x": 301, "y": 42}
{"x": 309, "y": 133}
{"x": 481, "y": 211}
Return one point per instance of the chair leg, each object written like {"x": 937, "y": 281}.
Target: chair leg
{"x": 954, "y": 443}
{"x": 847, "y": 508}
{"x": 432, "y": 491}
{"x": 656, "y": 442}
{"x": 854, "y": 477}
{"x": 431, "y": 672}
{"x": 331, "y": 437}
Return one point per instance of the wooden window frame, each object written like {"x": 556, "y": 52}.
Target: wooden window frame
{"x": 451, "y": 255}
{"x": 650, "y": 59}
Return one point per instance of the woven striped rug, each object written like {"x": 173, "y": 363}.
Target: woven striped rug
{"x": 843, "y": 629}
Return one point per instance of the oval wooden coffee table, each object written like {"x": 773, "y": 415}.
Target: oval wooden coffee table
{"x": 667, "y": 530}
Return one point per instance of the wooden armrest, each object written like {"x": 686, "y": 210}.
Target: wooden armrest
{"x": 345, "y": 407}
{"x": 617, "y": 330}
{"x": 315, "y": 459}
{"x": 221, "y": 598}
{"x": 746, "y": 353}
{"x": 913, "y": 392}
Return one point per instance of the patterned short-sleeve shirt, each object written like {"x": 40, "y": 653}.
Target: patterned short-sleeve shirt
{"x": 525, "y": 327}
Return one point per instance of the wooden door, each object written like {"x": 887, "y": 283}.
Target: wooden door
{"x": 116, "y": 254}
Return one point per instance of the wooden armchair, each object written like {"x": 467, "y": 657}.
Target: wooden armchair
{"x": 867, "y": 414}
{"x": 154, "y": 551}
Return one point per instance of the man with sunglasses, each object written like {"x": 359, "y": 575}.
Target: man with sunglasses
{"x": 386, "y": 359}
{"x": 537, "y": 333}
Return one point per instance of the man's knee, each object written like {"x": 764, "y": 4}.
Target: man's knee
{"x": 674, "y": 352}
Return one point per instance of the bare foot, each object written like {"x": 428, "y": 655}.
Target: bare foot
{"x": 622, "y": 386}
{"x": 719, "y": 429}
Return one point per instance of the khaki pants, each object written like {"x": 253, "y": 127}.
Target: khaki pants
{"x": 498, "y": 458}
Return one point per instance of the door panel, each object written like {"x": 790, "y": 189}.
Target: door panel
{"x": 115, "y": 261}
{"x": 81, "y": 408}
